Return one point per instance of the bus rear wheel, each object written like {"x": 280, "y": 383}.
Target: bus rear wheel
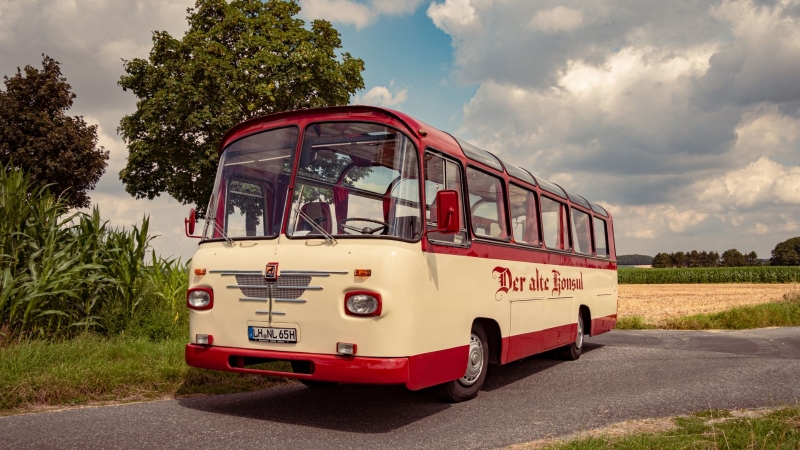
{"x": 467, "y": 387}
{"x": 573, "y": 351}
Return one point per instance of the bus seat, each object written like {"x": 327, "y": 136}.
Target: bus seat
{"x": 320, "y": 213}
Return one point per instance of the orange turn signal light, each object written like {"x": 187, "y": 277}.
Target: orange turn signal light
{"x": 199, "y": 271}
{"x": 363, "y": 272}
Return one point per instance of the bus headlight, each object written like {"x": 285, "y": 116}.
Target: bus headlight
{"x": 362, "y": 303}
{"x": 200, "y": 298}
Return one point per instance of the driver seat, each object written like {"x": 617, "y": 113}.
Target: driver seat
{"x": 320, "y": 213}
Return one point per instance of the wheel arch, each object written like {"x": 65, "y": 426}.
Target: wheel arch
{"x": 494, "y": 336}
{"x": 586, "y": 314}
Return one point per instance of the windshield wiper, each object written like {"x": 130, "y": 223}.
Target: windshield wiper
{"x": 328, "y": 237}
{"x": 221, "y": 231}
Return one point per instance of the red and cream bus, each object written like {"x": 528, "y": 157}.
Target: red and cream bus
{"x": 364, "y": 246}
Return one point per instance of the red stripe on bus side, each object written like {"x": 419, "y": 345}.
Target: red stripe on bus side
{"x": 602, "y": 325}
{"x": 430, "y": 369}
{"x": 508, "y": 253}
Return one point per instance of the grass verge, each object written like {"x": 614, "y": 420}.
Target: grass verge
{"x": 90, "y": 369}
{"x": 779, "y": 429}
{"x": 785, "y": 313}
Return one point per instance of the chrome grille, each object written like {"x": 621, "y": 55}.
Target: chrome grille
{"x": 284, "y": 280}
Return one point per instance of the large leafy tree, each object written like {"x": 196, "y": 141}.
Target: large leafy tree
{"x": 786, "y": 253}
{"x": 38, "y": 136}
{"x": 237, "y": 61}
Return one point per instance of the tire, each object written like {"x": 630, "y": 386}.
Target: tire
{"x": 573, "y": 351}
{"x": 467, "y": 387}
{"x": 302, "y": 367}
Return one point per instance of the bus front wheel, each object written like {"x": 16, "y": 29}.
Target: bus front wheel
{"x": 467, "y": 387}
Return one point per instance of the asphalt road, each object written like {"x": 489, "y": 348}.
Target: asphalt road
{"x": 622, "y": 375}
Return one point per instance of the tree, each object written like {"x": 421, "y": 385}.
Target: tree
{"x": 37, "y": 136}
{"x": 678, "y": 259}
{"x": 237, "y": 61}
{"x": 751, "y": 259}
{"x": 732, "y": 258}
{"x": 662, "y": 260}
{"x": 786, "y": 253}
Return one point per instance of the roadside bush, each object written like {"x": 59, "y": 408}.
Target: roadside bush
{"x": 63, "y": 273}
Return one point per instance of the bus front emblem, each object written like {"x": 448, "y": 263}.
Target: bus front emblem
{"x": 271, "y": 272}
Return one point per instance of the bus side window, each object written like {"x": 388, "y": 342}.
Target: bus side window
{"x": 524, "y": 218}
{"x": 581, "y": 231}
{"x": 601, "y": 237}
{"x": 487, "y": 205}
{"x": 441, "y": 174}
{"x": 555, "y": 225}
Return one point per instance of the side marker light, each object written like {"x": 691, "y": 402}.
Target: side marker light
{"x": 363, "y": 272}
{"x": 199, "y": 271}
{"x": 204, "y": 339}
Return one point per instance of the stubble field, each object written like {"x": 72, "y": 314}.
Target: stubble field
{"x": 657, "y": 302}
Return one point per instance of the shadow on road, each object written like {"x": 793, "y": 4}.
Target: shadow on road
{"x": 501, "y": 376}
{"x": 356, "y": 408}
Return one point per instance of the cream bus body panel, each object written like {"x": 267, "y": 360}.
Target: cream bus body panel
{"x": 429, "y": 299}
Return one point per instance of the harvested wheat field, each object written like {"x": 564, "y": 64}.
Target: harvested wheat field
{"x": 655, "y": 302}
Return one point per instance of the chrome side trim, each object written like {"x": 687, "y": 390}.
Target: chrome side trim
{"x": 253, "y": 299}
{"x": 228, "y": 273}
{"x": 314, "y": 273}
{"x": 290, "y": 300}
{"x": 276, "y": 313}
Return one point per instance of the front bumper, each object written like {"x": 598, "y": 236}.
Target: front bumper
{"x": 339, "y": 369}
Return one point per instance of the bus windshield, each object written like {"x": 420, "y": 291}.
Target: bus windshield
{"x": 251, "y": 186}
{"x": 356, "y": 179}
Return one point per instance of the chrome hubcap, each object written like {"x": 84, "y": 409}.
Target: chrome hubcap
{"x": 579, "y": 338}
{"x": 474, "y": 361}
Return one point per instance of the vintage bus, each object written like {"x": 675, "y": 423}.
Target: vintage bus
{"x": 363, "y": 246}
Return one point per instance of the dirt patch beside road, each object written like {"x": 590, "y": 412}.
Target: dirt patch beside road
{"x": 655, "y": 302}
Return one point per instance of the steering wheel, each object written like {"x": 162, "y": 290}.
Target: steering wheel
{"x": 365, "y": 230}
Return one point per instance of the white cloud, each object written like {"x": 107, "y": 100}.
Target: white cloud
{"x": 383, "y": 96}
{"x": 685, "y": 116}
{"x": 557, "y": 19}
{"x": 351, "y": 12}
{"x": 452, "y": 16}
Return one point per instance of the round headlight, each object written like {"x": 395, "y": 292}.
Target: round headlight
{"x": 198, "y": 299}
{"x": 362, "y": 304}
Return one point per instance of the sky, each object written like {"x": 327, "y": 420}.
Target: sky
{"x": 681, "y": 117}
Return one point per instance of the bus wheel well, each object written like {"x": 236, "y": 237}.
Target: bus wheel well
{"x": 494, "y": 337}
{"x": 587, "y": 320}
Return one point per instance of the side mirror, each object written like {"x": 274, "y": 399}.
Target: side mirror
{"x": 189, "y": 223}
{"x": 447, "y": 212}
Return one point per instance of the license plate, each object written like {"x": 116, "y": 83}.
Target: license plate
{"x": 269, "y": 334}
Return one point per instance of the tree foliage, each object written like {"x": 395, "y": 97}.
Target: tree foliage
{"x": 786, "y": 253}
{"x": 37, "y": 135}
{"x": 237, "y": 61}
{"x": 729, "y": 258}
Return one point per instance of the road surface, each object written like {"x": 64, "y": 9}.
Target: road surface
{"x": 622, "y": 375}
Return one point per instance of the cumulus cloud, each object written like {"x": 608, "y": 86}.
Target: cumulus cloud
{"x": 557, "y": 19}
{"x": 358, "y": 14}
{"x": 685, "y": 115}
{"x": 383, "y": 96}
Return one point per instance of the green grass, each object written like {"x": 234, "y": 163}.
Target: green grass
{"x": 89, "y": 368}
{"x": 712, "y": 430}
{"x": 785, "y": 313}
{"x": 753, "y": 274}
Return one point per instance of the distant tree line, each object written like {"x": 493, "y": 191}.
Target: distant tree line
{"x": 729, "y": 258}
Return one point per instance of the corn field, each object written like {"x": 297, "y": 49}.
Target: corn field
{"x": 63, "y": 273}
{"x": 751, "y": 274}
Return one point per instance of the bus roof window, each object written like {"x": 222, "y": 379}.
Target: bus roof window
{"x": 481, "y": 156}
{"x": 519, "y": 174}
{"x": 551, "y": 187}
{"x": 599, "y": 209}
{"x": 578, "y": 200}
